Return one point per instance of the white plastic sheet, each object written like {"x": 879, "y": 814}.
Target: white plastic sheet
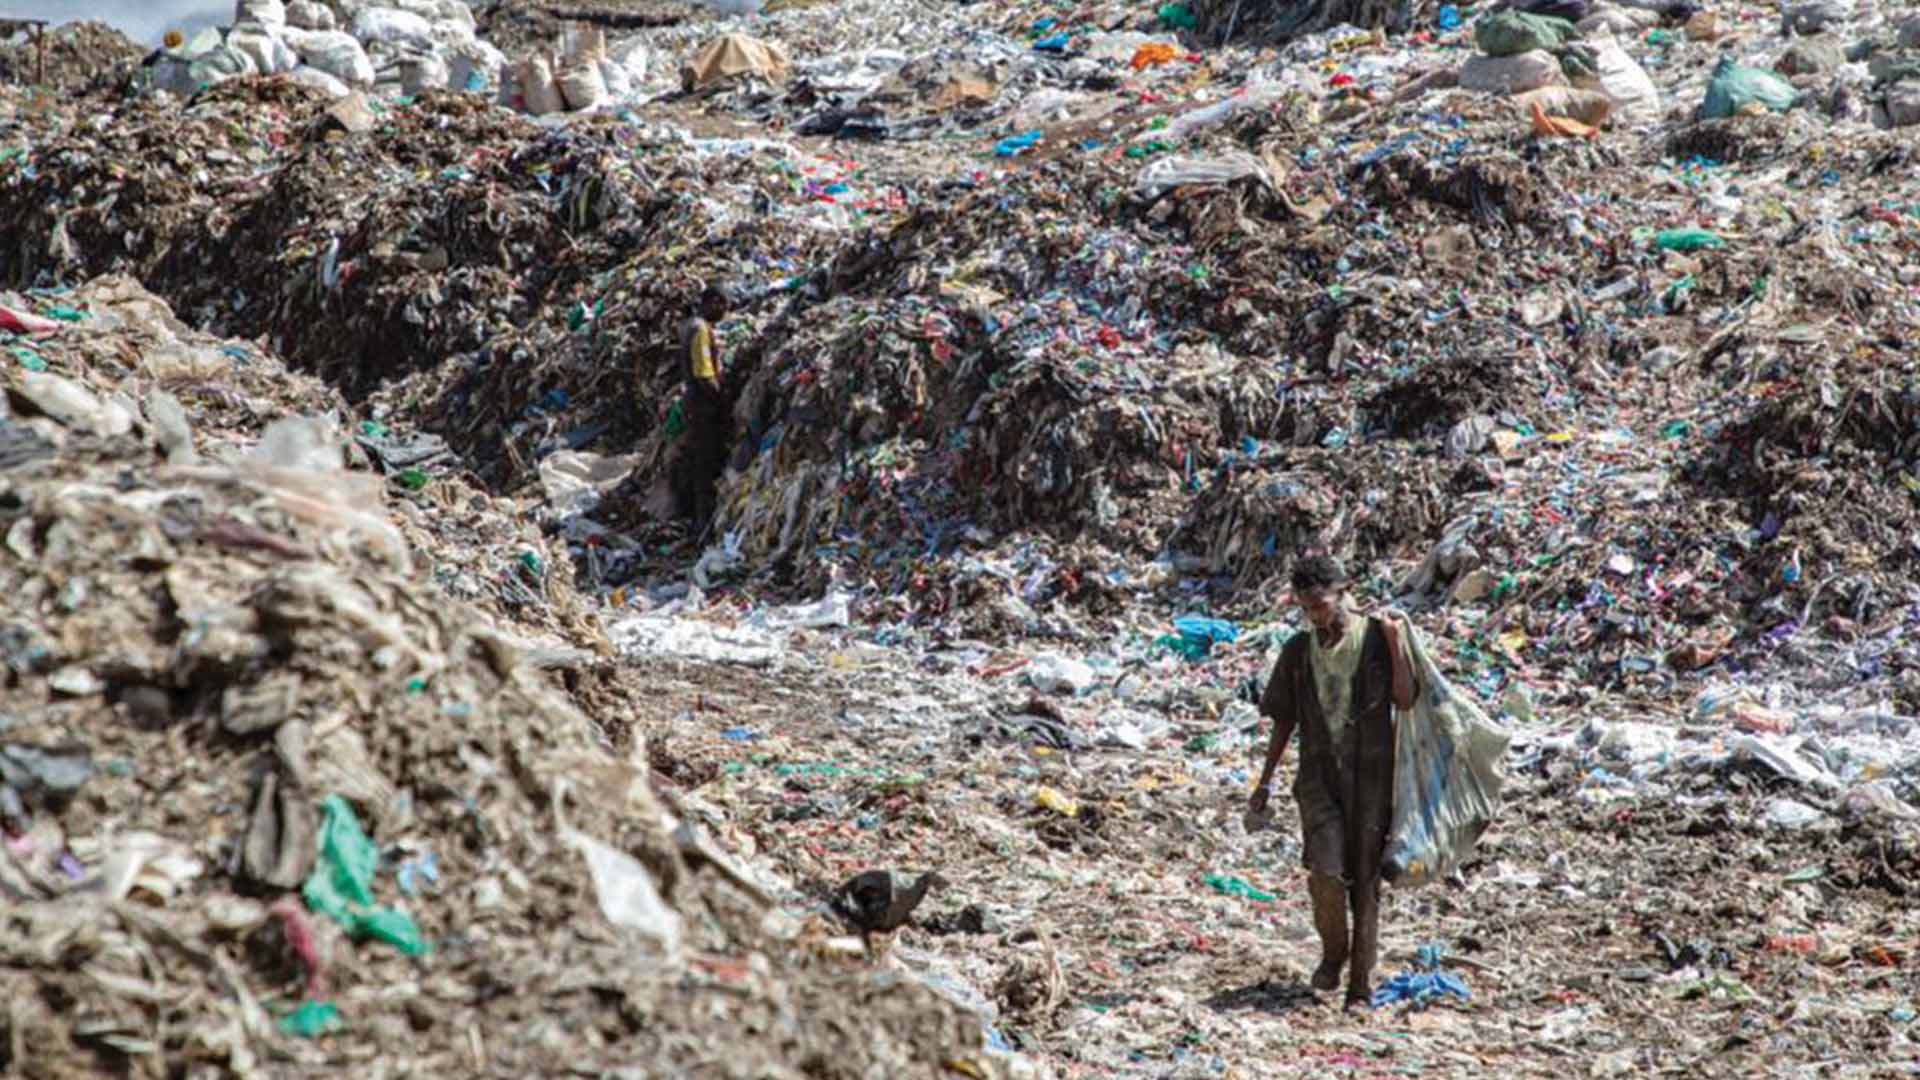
{"x": 1172, "y": 172}
{"x": 1447, "y": 775}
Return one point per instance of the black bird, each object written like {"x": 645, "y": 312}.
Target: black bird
{"x": 880, "y": 901}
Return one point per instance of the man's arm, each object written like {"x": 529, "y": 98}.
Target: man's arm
{"x": 1277, "y": 702}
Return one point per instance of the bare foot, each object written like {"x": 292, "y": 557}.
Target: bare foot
{"x": 1326, "y": 977}
{"x": 1359, "y": 1008}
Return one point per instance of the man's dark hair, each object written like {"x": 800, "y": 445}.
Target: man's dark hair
{"x": 1318, "y": 572}
{"x": 713, "y": 298}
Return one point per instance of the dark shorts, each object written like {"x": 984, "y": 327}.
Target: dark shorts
{"x": 1323, "y": 828}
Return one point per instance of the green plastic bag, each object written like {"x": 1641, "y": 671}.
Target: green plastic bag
{"x": 341, "y": 885}
{"x": 1511, "y": 33}
{"x": 1733, "y": 87}
{"x": 1687, "y": 240}
{"x": 1178, "y": 16}
{"x": 312, "y": 1019}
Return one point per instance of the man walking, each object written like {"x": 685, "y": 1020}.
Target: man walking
{"x": 1338, "y": 686}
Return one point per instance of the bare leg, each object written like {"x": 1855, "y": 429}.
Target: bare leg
{"x": 1329, "y": 895}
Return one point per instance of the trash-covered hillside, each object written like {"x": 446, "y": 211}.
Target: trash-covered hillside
{"x": 371, "y": 700}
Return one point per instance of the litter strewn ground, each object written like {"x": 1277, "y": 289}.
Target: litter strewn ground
{"x": 1587, "y": 337}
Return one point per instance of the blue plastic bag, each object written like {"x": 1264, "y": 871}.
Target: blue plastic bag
{"x": 1014, "y": 144}
{"x": 1422, "y": 985}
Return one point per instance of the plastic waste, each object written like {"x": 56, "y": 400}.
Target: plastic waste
{"x": 1171, "y": 172}
{"x": 1052, "y": 43}
{"x": 1625, "y": 82}
{"x": 1423, "y": 984}
{"x": 1178, "y": 16}
{"x": 1229, "y": 885}
{"x": 1051, "y": 673}
{"x": 334, "y": 52}
{"x": 1056, "y": 802}
{"x": 1590, "y": 107}
{"x": 73, "y": 405}
{"x": 321, "y": 81}
{"x": 391, "y": 26}
{"x": 1687, "y": 239}
{"x": 1447, "y": 775}
{"x": 270, "y": 55}
{"x": 1790, "y": 815}
{"x": 310, "y": 15}
{"x": 1151, "y": 54}
{"x": 1196, "y": 635}
{"x": 341, "y": 885}
{"x": 1255, "y": 95}
{"x": 312, "y": 1019}
{"x": 1510, "y": 74}
{"x": 583, "y": 88}
{"x": 1733, "y": 87}
{"x": 673, "y": 635}
{"x": 625, "y": 890}
{"x": 541, "y": 95}
{"x": 25, "y": 322}
{"x": 1131, "y": 729}
{"x": 1012, "y": 145}
{"x": 1448, "y": 17}
{"x": 1510, "y": 33}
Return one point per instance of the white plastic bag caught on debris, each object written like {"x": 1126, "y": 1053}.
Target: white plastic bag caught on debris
{"x": 1259, "y": 94}
{"x": 1447, "y": 775}
{"x": 1172, "y": 172}
{"x": 624, "y": 887}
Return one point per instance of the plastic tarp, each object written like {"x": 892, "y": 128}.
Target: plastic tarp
{"x": 1510, "y": 33}
{"x": 735, "y": 55}
{"x": 1447, "y": 775}
{"x": 1733, "y": 87}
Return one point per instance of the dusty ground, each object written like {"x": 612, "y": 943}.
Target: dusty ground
{"x": 1609, "y": 935}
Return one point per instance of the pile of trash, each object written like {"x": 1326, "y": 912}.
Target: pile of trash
{"x": 273, "y": 797}
{"x": 1051, "y": 339}
{"x": 71, "y": 59}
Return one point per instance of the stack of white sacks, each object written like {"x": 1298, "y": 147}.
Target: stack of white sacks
{"x": 389, "y": 47}
{"x": 579, "y": 75}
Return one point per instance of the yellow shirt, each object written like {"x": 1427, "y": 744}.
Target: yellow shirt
{"x": 1333, "y": 670}
{"x": 700, "y": 351}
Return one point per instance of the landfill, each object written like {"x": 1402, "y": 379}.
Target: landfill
{"x": 372, "y": 701}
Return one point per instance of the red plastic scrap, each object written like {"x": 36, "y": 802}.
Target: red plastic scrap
{"x": 298, "y": 933}
{"x": 25, "y": 322}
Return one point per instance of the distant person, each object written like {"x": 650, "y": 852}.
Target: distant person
{"x": 703, "y": 455}
{"x": 1338, "y": 686}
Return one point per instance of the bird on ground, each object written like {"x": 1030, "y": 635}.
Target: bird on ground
{"x": 878, "y": 902}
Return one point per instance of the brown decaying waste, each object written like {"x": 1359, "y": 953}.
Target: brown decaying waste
{"x": 299, "y": 528}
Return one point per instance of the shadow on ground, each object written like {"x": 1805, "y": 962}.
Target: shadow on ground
{"x": 1271, "y": 995}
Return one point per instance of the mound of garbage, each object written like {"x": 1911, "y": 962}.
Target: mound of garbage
{"x": 74, "y": 58}
{"x": 276, "y": 797}
{"x": 1583, "y": 330}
